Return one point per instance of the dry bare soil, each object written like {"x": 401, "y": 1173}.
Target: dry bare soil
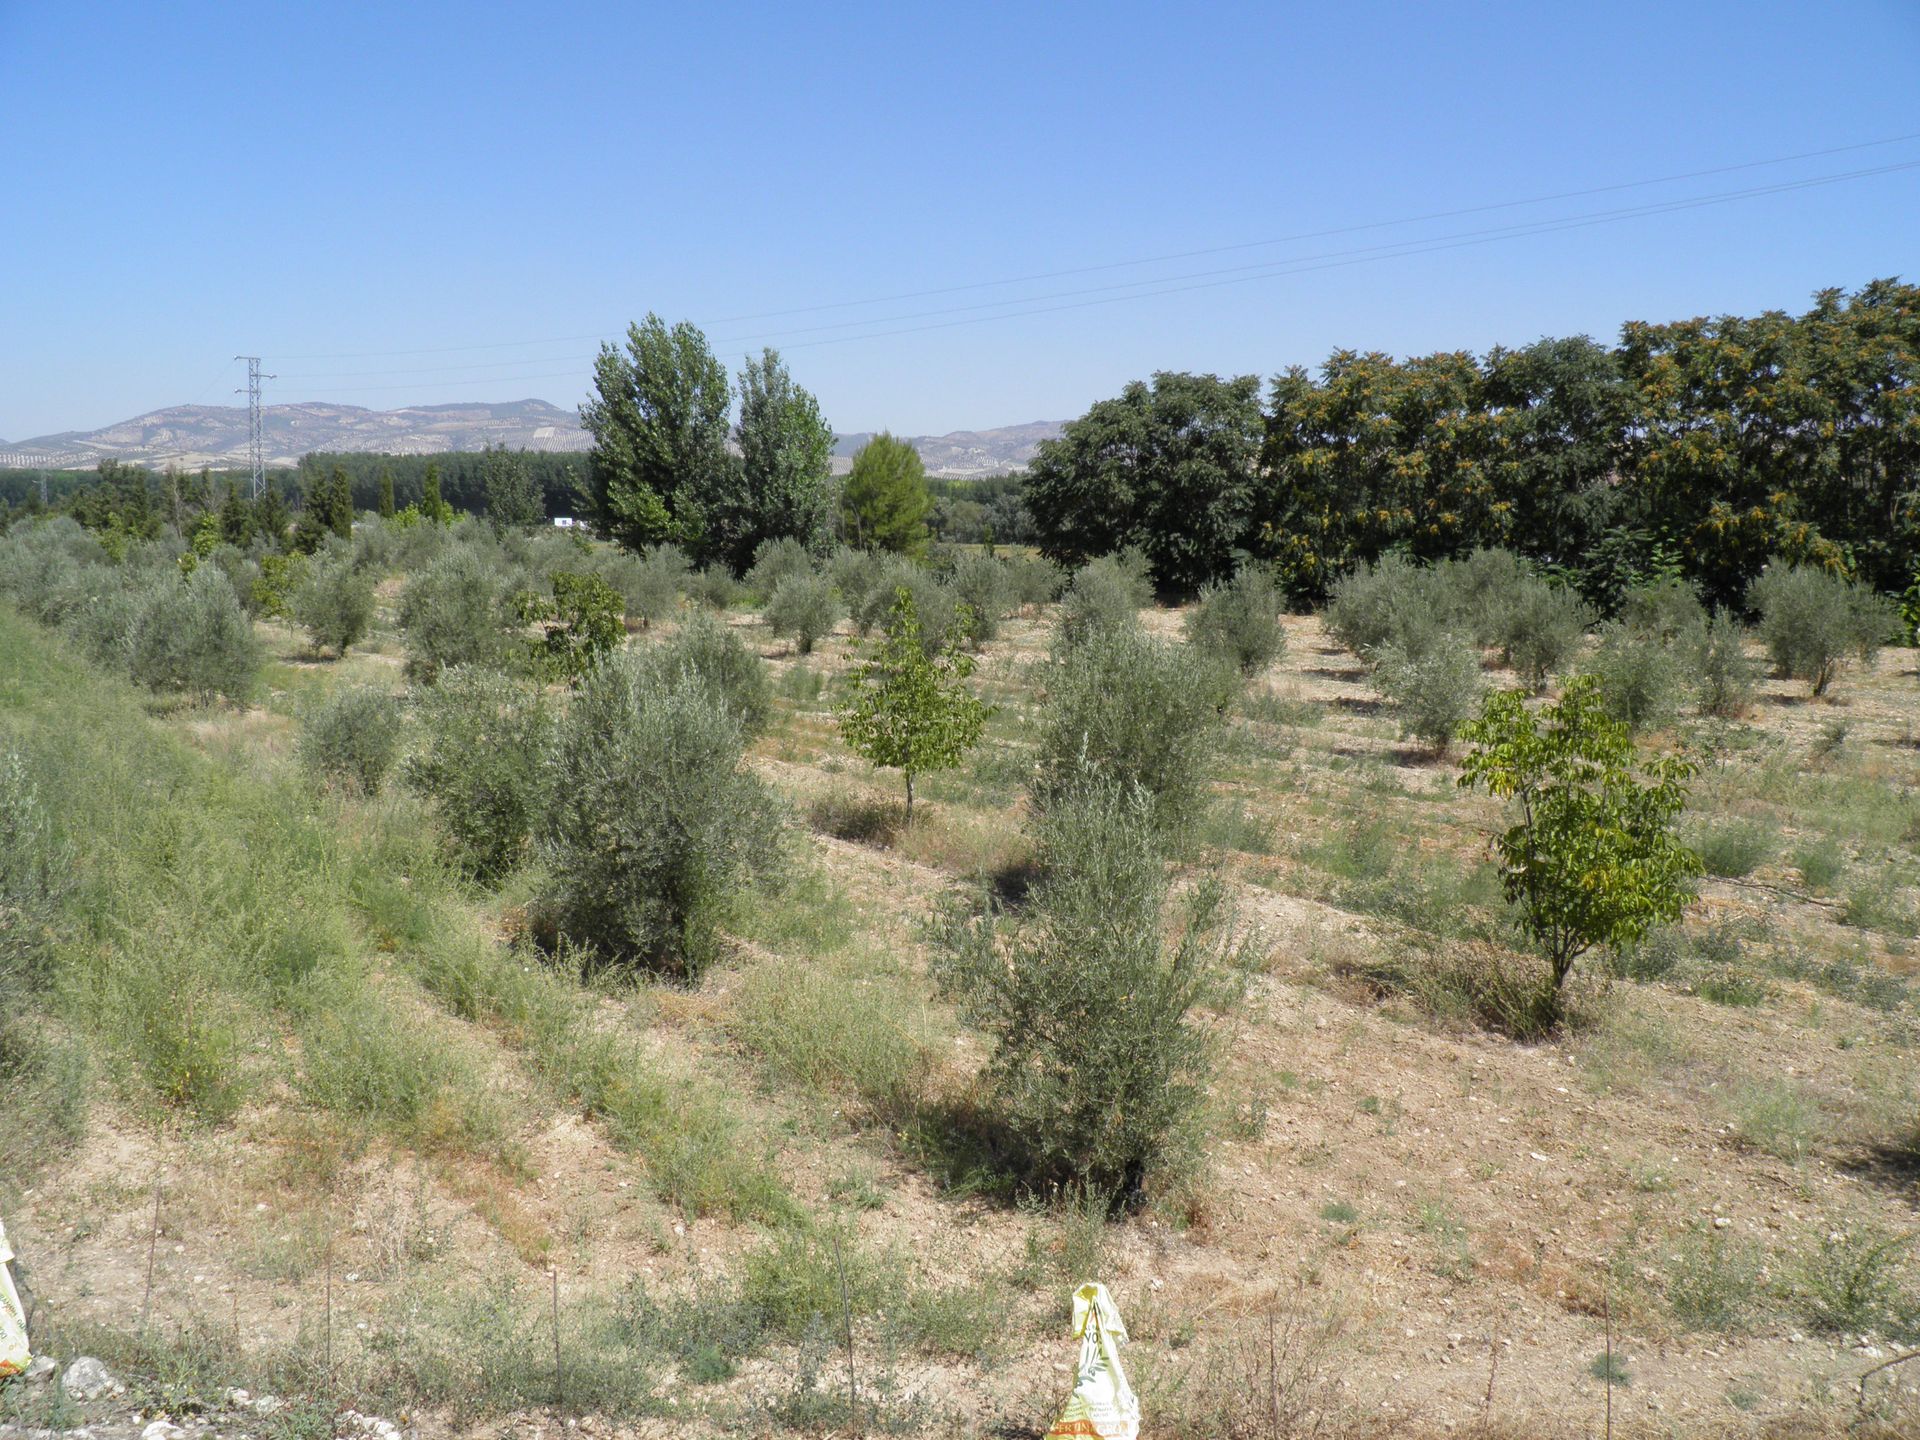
{"x": 1406, "y": 1224}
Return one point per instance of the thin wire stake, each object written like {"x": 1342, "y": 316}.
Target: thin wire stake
{"x": 327, "y": 1353}
{"x": 846, "y": 1315}
{"x": 153, "y": 1244}
{"x": 557, "y": 1392}
{"x": 1606, "y": 1297}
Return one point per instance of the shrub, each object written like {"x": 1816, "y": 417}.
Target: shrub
{"x": 1103, "y": 596}
{"x": 1369, "y": 605}
{"x": 856, "y": 574}
{"x": 654, "y": 820}
{"x": 1135, "y": 711}
{"x": 1540, "y": 630}
{"x": 1432, "y": 692}
{"x": 774, "y": 561}
{"x": 1240, "y": 621}
{"x": 583, "y": 624}
{"x": 33, "y": 874}
{"x": 484, "y": 742}
{"x": 1849, "y": 1283}
{"x": 275, "y": 586}
{"x": 351, "y": 738}
{"x": 334, "y": 604}
{"x": 934, "y": 606}
{"x": 1724, "y": 679}
{"x": 1820, "y": 863}
{"x": 910, "y": 712}
{"x": 1472, "y": 595}
{"x": 805, "y": 606}
{"x": 1099, "y": 1067}
{"x": 705, "y": 651}
{"x": 1812, "y": 622}
{"x": 193, "y": 637}
{"x": 713, "y": 586}
{"x": 1734, "y": 850}
{"x": 983, "y": 585}
{"x": 452, "y": 614}
{"x": 1639, "y": 675}
{"x": 649, "y": 585}
{"x": 1715, "y": 1281}
{"x": 1669, "y": 609}
{"x": 1036, "y": 580}
{"x": 1592, "y": 859}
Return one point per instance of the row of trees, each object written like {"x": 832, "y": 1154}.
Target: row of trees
{"x": 669, "y": 465}
{"x": 1703, "y": 446}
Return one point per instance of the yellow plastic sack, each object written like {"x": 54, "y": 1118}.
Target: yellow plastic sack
{"x": 13, "y": 1319}
{"x": 1103, "y": 1405}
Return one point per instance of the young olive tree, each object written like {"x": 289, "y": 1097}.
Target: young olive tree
{"x": 1100, "y": 1062}
{"x": 1592, "y": 859}
{"x": 908, "y": 710}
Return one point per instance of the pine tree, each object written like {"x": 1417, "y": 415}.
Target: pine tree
{"x": 886, "y": 500}
{"x": 270, "y": 515}
{"x": 386, "y": 493}
{"x": 236, "y": 517}
{"x": 432, "y": 507}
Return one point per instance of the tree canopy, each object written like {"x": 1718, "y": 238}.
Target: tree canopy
{"x": 886, "y": 501}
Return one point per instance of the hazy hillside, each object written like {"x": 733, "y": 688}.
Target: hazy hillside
{"x": 191, "y": 435}
{"x": 217, "y": 434}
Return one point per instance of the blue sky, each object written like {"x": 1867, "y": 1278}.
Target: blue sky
{"x": 388, "y": 201}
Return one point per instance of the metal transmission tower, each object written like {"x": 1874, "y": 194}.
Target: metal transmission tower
{"x": 254, "y": 438}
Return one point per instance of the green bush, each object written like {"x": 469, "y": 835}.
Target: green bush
{"x": 706, "y": 652}
{"x": 484, "y": 741}
{"x": 1239, "y": 622}
{"x": 1036, "y": 580}
{"x": 805, "y": 606}
{"x": 774, "y": 561}
{"x": 278, "y": 581}
{"x": 351, "y": 738}
{"x": 1540, "y": 630}
{"x": 334, "y": 604}
{"x": 1849, "y": 1283}
{"x": 583, "y": 624}
{"x": 1100, "y": 1065}
{"x": 984, "y": 586}
{"x": 1372, "y": 604}
{"x": 1135, "y": 711}
{"x": 713, "y": 586}
{"x": 1433, "y": 691}
{"x": 1812, "y": 622}
{"x": 451, "y": 614}
{"x": 1734, "y": 850}
{"x": 1724, "y": 677}
{"x": 1473, "y": 594}
{"x": 654, "y": 821}
{"x": 33, "y": 875}
{"x": 1104, "y": 596}
{"x": 856, "y": 574}
{"x": 1669, "y": 609}
{"x": 1639, "y": 671}
{"x": 192, "y": 637}
{"x": 649, "y": 585}
{"x": 934, "y": 604}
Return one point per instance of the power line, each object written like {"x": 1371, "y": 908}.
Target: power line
{"x": 1149, "y": 260}
{"x": 1201, "y": 280}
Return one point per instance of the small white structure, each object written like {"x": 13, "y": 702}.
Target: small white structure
{"x": 565, "y": 522}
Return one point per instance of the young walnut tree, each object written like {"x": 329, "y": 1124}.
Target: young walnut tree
{"x": 1593, "y": 858}
{"x": 910, "y": 711}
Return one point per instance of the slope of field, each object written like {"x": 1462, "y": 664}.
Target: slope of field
{"x": 376, "y": 1131}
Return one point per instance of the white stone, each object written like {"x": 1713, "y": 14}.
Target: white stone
{"x": 87, "y": 1379}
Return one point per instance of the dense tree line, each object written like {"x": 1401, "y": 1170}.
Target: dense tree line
{"x": 1700, "y": 447}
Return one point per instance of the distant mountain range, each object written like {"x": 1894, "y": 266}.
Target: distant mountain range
{"x": 216, "y": 435}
